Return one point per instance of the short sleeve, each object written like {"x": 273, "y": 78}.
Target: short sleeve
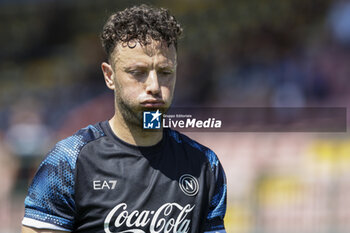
{"x": 50, "y": 200}
{"x": 214, "y": 222}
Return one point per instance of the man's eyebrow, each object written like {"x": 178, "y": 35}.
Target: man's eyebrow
{"x": 166, "y": 65}
{"x": 137, "y": 65}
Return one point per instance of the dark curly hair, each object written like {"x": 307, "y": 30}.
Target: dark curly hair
{"x": 139, "y": 23}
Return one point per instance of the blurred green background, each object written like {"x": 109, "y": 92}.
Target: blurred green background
{"x": 267, "y": 53}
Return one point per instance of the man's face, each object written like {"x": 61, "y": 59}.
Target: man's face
{"x": 142, "y": 77}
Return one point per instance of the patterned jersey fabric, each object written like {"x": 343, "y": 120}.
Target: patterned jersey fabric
{"x": 95, "y": 182}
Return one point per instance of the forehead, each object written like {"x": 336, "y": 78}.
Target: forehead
{"x": 133, "y": 51}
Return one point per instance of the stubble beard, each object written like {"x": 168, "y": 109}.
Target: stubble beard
{"x": 131, "y": 115}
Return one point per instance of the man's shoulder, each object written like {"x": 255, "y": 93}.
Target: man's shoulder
{"x": 186, "y": 140}
{"x": 69, "y": 148}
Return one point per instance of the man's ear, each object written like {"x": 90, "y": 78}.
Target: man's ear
{"x": 108, "y": 74}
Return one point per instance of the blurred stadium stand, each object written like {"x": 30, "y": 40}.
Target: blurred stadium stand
{"x": 290, "y": 53}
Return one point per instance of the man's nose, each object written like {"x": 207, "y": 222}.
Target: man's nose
{"x": 152, "y": 84}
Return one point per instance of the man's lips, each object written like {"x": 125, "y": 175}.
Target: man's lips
{"x": 152, "y": 103}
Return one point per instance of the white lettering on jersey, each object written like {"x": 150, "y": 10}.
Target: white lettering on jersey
{"x": 157, "y": 219}
{"x": 104, "y": 184}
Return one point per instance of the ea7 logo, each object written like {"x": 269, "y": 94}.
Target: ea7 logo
{"x": 104, "y": 184}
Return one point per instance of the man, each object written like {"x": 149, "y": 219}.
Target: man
{"x": 115, "y": 176}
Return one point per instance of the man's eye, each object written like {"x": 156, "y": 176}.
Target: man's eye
{"x": 137, "y": 72}
{"x": 166, "y": 72}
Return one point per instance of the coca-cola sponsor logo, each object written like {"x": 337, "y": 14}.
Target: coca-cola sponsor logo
{"x": 158, "y": 220}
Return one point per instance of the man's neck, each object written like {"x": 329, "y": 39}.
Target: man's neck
{"x": 134, "y": 135}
